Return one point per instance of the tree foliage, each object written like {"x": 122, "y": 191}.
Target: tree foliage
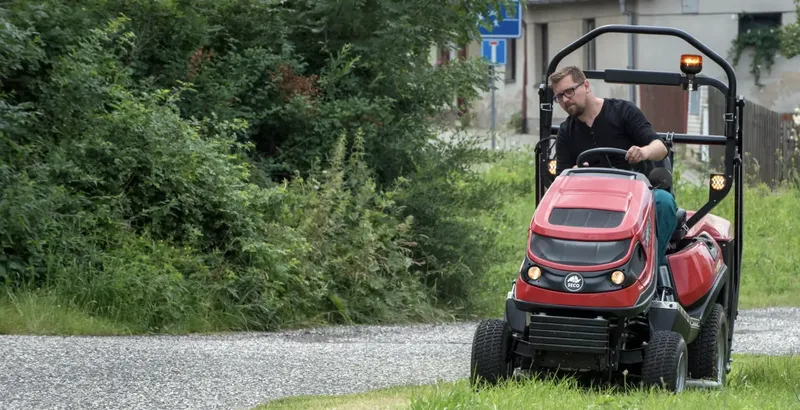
{"x": 239, "y": 164}
{"x": 790, "y": 36}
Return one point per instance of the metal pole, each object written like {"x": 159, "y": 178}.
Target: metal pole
{"x": 493, "y": 108}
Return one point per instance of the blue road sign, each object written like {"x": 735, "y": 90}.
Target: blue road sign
{"x": 509, "y": 27}
{"x": 494, "y": 50}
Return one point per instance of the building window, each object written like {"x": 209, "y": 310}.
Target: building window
{"x": 590, "y": 50}
{"x": 511, "y": 60}
{"x": 754, "y": 21}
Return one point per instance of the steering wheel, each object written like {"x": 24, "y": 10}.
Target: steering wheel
{"x": 643, "y": 167}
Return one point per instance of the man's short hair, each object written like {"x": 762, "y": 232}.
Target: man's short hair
{"x": 576, "y": 73}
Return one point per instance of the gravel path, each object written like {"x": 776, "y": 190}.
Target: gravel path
{"x": 242, "y": 370}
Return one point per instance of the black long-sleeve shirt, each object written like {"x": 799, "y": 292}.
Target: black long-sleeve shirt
{"x": 620, "y": 124}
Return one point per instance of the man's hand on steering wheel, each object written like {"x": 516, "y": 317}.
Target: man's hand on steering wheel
{"x": 636, "y": 154}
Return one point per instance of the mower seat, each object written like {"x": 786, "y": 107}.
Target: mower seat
{"x": 679, "y": 231}
{"x": 666, "y": 163}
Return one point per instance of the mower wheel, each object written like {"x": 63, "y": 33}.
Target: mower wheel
{"x": 665, "y": 361}
{"x": 491, "y": 359}
{"x": 707, "y": 352}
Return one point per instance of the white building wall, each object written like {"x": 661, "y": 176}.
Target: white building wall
{"x": 715, "y": 24}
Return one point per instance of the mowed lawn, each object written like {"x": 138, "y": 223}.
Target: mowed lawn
{"x": 756, "y": 382}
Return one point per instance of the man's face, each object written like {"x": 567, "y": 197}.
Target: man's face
{"x": 571, "y": 96}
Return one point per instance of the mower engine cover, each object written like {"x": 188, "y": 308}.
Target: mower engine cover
{"x": 591, "y": 242}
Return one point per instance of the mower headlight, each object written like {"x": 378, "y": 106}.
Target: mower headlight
{"x": 617, "y": 277}
{"x": 551, "y": 167}
{"x": 534, "y": 273}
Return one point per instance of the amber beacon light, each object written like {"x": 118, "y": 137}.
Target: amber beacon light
{"x": 691, "y": 64}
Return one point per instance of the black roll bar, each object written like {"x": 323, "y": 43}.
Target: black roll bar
{"x": 729, "y": 140}
{"x": 625, "y": 76}
{"x": 655, "y": 30}
{"x": 679, "y": 138}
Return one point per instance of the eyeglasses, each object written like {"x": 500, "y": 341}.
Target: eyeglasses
{"x": 569, "y": 92}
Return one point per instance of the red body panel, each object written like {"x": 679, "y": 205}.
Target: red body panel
{"x": 612, "y": 194}
{"x": 719, "y": 228}
{"x": 694, "y": 271}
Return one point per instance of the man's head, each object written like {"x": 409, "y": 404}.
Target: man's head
{"x": 571, "y": 89}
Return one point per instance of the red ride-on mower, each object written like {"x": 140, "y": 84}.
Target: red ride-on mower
{"x": 590, "y": 295}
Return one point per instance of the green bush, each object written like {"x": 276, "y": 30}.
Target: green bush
{"x": 180, "y": 166}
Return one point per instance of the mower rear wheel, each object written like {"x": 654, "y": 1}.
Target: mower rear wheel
{"x": 666, "y": 361}
{"x": 707, "y": 352}
{"x": 491, "y": 352}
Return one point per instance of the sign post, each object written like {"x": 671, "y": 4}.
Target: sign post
{"x": 493, "y": 47}
{"x": 493, "y": 50}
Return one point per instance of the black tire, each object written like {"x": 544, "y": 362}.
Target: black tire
{"x": 491, "y": 360}
{"x": 708, "y": 353}
{"x": 666, "y": 361}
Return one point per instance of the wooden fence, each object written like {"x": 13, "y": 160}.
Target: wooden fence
{"x": 770, "y": 154}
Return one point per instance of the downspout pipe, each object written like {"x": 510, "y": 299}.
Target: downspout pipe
{"x": 623, "y": 8}
{"x": 524, "y": 125}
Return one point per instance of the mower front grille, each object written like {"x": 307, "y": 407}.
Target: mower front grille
{"x": 569, "y": 334}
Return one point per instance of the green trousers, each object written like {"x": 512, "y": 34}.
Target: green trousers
{"x": 666, "y": 221}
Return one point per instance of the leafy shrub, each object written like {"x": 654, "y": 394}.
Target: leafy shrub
{"x": 210, "y": 165}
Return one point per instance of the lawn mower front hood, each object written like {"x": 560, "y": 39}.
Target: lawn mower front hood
{"x": 593, "y": 208}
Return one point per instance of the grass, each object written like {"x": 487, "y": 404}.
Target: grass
{"x": 756, "y": 382}
{"x": 385, "y": 399}
{"x": 43, "y": 313}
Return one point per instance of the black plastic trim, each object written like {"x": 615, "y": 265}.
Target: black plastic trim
{"x": 609, "y": 172}
{"x": 578, "y": 253}
{"x": 640, "y": 306}
{"x": 569, "y": 334}
{"x": 517, "y": 319}
{"x": 586, "y": 217}
{"x": 670, "y": 316}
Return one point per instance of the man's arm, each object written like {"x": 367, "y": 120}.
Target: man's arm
{"x": 656, "y": 150}
{"x": 564, "y": 156}
{"x": 639, "y": 128}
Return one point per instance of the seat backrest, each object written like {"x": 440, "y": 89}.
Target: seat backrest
{"x": 667, "y": 164}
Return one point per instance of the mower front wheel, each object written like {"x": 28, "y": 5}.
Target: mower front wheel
{"x": 491, "y": 360}
{"x": 666, "y": 361}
